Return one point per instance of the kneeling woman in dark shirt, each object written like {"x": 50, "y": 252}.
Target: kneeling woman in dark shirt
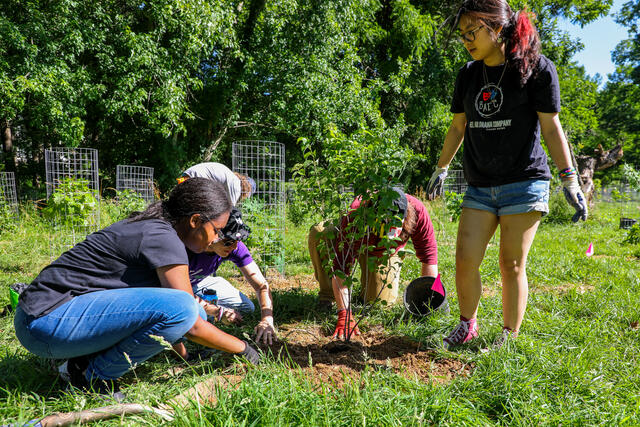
{"x": 115, "y": 299}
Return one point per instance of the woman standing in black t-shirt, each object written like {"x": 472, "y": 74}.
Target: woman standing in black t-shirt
{"x": 503, "y": 99}
{"x": 120, "y": 296}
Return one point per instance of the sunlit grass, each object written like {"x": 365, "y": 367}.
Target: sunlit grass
{"x": 575, "y": 363}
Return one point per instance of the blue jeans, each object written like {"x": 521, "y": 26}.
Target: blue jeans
{"x": 510, "y": 199}
{"x": 228, "y": 296}
{"x": 123, "y": 327}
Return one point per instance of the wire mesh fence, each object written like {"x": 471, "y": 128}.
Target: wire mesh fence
{"x": 264, "y": 211}
{"x": 135, "y": 180}
{"x": 455, "y": 181}
{"x": 8, "y": 199}
{"x": 627, "y": 201}
{"x": 73, "y": 197}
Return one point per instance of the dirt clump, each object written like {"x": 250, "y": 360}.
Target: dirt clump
{"x": 335, "y": 361}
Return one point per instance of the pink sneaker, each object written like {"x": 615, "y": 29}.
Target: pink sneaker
{"x": 464, "y": 332}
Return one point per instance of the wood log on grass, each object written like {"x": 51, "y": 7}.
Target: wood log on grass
{"x": 203, "y": 392}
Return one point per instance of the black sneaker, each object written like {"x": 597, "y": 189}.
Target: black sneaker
{"x": 106, "y": 388}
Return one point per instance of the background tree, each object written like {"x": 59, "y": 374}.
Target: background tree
{"x": 618, "y": 104}
{"x": 169, "y": 84}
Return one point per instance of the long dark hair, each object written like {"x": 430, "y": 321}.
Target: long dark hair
{"x": 522, "y": 48}
{"x": 200, "y": 196}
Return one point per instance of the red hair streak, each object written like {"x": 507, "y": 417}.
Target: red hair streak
{"x": 523, "y": 33}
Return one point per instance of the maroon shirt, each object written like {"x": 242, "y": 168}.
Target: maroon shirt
{"x": 423, "y": 238}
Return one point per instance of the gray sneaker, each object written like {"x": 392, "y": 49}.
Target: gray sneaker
{"x": 503, "y": 339}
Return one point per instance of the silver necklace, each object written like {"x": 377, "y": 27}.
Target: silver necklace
{"x": 486, "y": 78}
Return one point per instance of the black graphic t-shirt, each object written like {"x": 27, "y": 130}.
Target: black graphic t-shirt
{"x": 123, "y": 255}
{"x": 502, "y": 138}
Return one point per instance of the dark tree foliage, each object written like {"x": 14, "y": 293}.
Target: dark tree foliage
{"x": 168, "y": 84}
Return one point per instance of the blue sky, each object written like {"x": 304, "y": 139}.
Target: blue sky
{"x": 599, "y": 39}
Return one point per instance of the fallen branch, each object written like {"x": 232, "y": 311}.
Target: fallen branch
{"x": 91, "y": 415}
{"x": 203, "y": 392}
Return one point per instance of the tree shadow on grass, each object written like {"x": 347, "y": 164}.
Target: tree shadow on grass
{"x": 294, "y": 305}
{"x": 28, "y": 373}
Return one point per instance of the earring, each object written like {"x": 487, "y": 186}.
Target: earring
{"x": 499, "y": 40}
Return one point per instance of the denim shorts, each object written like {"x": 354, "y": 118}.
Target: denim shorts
{"x": 510, "y": 199}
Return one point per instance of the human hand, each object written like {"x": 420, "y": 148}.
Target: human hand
{"x": 436, "y": 182}
{"x": 575, "y": 197}
{"x": 212, "y": 310}
{"x": 266, "y": 331}
{"x": 229, "y": 316}
{"x": 250, "y": 354}
{"x": 342, "y": 330}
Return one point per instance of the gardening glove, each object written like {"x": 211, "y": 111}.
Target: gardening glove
{"x": 250, "y": 354}
{"x": 575, "y": 197}
{"x": 341, "y": 327}
{"x": 434, "y": 187}
{"x": 266, "y": 331}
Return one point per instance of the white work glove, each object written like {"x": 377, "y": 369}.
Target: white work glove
{"x": 434, "y": 187}
{"x": 575, "y": 197}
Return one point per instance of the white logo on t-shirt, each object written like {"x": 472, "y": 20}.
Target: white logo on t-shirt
{"x": 489, "y": 100}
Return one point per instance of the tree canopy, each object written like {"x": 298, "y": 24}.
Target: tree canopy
{"x": 171, "y": 83}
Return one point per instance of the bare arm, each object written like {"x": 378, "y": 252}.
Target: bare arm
{"x": 265, "y": 328}
{"x": 453, "y": 140}
{"x": 252, "y": 273}
{"x": 202, "y": 332}
{"x": 555, "y": 139}
{"x": 429, "y": 270}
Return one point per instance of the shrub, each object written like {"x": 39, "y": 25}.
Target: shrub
{"x": 265, "y": 242}
{"x": 453, "y": 203}
{"x": 560, "y": 212}
{"x": 127, "y": 201}
{"x": 72, "y": 203}
{"x": 633, "y": 235}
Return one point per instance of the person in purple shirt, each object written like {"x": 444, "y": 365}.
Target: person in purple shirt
{"x": 231, "y": 302}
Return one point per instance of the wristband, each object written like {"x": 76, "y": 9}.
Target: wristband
{"x": 568, "y": 172}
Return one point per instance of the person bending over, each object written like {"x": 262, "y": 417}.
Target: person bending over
{"x": 117, "y": 298}
{"x": 238, "y": 186}
{"x": 230, "y": 301}
{"x": 378, "y": 281}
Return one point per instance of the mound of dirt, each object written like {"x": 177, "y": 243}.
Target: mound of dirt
{"x": 329, "y": 361}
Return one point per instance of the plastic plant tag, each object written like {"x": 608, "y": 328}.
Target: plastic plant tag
{"x": 589, "y": 250}
{"x": 437, "y": 286}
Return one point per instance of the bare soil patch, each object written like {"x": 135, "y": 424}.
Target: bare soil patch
{"x": 301, "y": 281}
{"x": 564, "y": 288}
{"x": 331, "y": 361}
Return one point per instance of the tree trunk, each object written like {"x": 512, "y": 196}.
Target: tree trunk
{"x": 7, "y": 145}
{"x": 588, "y": 165}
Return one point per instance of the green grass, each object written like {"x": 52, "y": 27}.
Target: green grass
{"x": 575, "y": 363}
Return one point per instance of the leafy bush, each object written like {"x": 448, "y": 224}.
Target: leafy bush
{"x": 127, "y": 201}
{"x": 559, "y": 210}
{"x": 617, "y": 196}
{"x": 72, "y": 203}
{"x": 7, "y": 216}
{"x": 633, "y": 235}
{"x": 266, "y": 242}
{"x": 453, "y": 203}
{"x": 632, "y": 176}
{"x": 369, "y": 164}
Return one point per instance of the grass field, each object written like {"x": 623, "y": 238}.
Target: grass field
{"x": 576, "y": 361}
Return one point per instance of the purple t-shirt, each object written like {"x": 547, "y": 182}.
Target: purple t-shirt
{"x": 204, "y": 264}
